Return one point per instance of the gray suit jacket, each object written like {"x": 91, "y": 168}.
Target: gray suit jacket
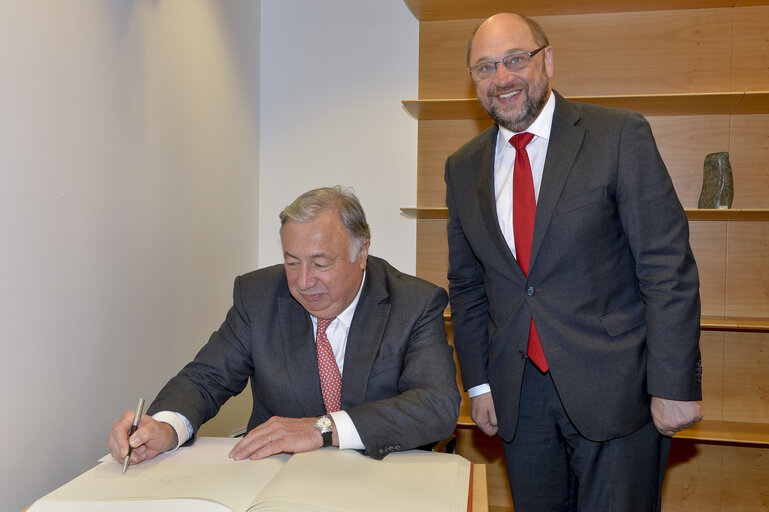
{"x": 613, "y": 287}
{"x": 399, "y": 381}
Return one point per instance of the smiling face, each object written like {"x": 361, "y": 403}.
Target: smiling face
{"x": 512, "y": 99}
{"x": 316, "y": 255}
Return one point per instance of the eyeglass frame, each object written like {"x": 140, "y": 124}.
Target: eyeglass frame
{"x": 530, "y": 55}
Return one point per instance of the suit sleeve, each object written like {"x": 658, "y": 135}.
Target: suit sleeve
{"x": 658, "y": 234}
{"x": 426, "y": 407}
{"x": 467, "y": 291}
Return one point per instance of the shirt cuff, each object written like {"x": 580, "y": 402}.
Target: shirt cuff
{"x": 349, "y": 439}
{"x": 478, "y": 390}
{"x": 179, "y": 423}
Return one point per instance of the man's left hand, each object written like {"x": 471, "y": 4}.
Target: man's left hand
{"x": 671, "y": 416}
{"x": 277, "y": 435}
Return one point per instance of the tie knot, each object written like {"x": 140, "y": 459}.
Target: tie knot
{"x": 323, "y": 324}
{"x": 521, "y": 140}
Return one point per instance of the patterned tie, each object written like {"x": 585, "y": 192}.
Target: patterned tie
{"x": 330, "y": 379}
{"x": 524, "y": 211}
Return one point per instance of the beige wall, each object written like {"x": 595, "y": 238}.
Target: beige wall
{"x": 128, "y": 201}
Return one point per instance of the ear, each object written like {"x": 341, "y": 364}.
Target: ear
{"x": 549, "y": 61}
{"x": 363, "y": 254}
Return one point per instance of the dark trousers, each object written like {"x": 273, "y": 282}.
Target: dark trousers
{"x": 551, "y": 467}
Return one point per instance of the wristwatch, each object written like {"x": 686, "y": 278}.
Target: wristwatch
{"x": 325, "y": 425}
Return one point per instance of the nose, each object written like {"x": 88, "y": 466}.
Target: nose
{"x": 306, "y": 278}
{"x": 503, "y": 76}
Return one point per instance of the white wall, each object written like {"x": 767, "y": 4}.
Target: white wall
{"x": 333, "y": 74}
{"x": 128, "y": 201}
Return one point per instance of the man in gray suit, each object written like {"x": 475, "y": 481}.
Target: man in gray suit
{"x": 574, "y": 293}
{"x": 382, "y": 336}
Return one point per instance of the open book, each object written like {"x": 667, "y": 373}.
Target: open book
{"x": 201, "y": 478}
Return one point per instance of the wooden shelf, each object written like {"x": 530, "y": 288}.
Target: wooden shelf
{"x": 716, "y": 431}
{"x": 730, "y": 432}
{"x": 707, "y": 322}
{"x": 441, "y": 212}
{"x": 436, "y": 212}
{"x": 431, "y": 10}
{"x": 715, "y": 103}
{"x": 734, "y": 323}
{"x": 736, "y": 214}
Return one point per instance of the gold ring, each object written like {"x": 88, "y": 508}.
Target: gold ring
{"x": 268, "y": 437}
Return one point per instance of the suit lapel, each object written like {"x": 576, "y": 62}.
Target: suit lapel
{"x": 299, "y": 349}
{"x": 484, "y": 190}
{"x": 565, "y": 143}
{"x": 365, "y": 335}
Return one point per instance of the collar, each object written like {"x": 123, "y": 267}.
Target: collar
{"x": 540, "y": 127}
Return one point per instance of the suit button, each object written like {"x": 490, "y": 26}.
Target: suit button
{"x": 521, "y": 354}
{"x": 530, "y": 291}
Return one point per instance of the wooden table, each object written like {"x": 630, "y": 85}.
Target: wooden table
{"x": 480, "y": 499}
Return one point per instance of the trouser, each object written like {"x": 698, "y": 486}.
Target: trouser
{"x": 551, "y": 467}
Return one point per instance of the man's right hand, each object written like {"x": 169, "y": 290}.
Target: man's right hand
{"x": 151, "y": 438}
{"x": 483, "y": 413}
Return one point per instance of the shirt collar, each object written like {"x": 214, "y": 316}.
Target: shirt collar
{"x": 540, "y": 127}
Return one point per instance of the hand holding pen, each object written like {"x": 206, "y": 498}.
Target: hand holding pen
{"x": 150, "y": 437}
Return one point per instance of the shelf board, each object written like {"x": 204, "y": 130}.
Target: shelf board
{"x": 717, "y": 431}
{"x": 430, "y": 212}
{"x": 707, "y": 322}
{"x": 713, "y": 103}
{"x": 739, "y": 214}
{"x": 432, "y": 10}
{"x": 441, "y": 212}
{"x": 734, "y": 323}
{"x": 730, "y": 432}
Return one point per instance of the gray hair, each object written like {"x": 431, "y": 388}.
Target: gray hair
{"x": 312, "y": 203}
{"x": 540, "y": 38}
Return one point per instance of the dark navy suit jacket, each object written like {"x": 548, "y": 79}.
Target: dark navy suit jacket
{"x": 613, "y": 287}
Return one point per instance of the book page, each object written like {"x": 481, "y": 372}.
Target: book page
{"x": 202, "y": 471}
{"x": 347, "y": 481}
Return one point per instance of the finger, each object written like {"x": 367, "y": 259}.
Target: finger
{"x": 250, "y": 444}
{"x": 488, "y": 429}
{"x": 138, "y": 455}
{"x": 267, "y": 450}
{"x": 492, "y": 416}
{"x": 118, "y": 439}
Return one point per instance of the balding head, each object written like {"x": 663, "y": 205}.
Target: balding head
{"x": 507, "y": 20}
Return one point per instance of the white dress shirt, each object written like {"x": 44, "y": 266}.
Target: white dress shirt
{"x": 336, "y": 332}
{"x": 504, "y": 161}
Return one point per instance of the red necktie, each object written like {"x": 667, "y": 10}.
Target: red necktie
{"x": 524, "y": 211}
{"x": 330, "y": 379}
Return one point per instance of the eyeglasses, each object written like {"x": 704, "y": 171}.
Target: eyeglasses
{"x": 513, "y": 62}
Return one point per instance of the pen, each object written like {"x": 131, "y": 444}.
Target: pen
{"x": 134, "y": 426}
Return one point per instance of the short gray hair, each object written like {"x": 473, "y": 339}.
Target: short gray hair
{"x": 312, "y": 203}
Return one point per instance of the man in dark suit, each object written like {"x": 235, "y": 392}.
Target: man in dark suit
{"x": 382, "y": 336}
{"x": 574, "y": 293}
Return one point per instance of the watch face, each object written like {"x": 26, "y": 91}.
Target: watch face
{"x": 323, "y": 424}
